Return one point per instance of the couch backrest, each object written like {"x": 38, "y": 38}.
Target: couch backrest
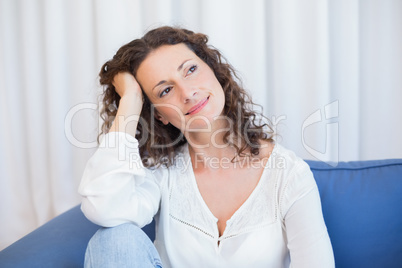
{"x": 362, "y": 207}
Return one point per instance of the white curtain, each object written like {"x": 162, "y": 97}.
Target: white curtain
{"x": 328, "y": 73}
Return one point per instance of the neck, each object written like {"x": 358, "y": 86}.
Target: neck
{"x": 206, "y": 146}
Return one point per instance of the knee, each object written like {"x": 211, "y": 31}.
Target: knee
{"x": 125, "y": 245}
{"x": 127, "y": 234}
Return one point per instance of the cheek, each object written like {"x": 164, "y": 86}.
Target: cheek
{"x": 214, "y": 83}
{"x": 171, "y": 113}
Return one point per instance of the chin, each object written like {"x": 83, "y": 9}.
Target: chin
{"x": 199, "y": 123}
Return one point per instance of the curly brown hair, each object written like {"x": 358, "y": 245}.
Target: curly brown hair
{"x": 248, "y": 128}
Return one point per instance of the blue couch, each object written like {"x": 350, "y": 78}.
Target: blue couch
{"x": 361, "y": 202}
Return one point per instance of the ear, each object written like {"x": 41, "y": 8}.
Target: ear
{"x": 159, "y": 117}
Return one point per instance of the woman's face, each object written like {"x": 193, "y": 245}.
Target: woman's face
{"x": 182, "y": 87}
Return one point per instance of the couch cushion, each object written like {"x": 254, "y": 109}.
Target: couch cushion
{"x": 59, "y": 243}
{"x": 362, "y": 207}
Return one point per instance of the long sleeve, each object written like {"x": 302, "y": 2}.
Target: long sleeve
{"x": 307, "y": 237}
{"x": 115, "y": 186}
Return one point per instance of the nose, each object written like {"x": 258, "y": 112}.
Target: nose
{"x": 188, "y": 92}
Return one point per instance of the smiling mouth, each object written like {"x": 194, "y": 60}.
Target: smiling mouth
{"x": 198, "y": 107}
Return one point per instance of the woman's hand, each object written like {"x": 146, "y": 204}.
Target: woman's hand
{"x": 130, "y": 105}
{"x": 125, "y": 83}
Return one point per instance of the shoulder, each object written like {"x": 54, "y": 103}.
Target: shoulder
{"x": 178, "y": 165}
{"x": 164, "y": 174}
{"x": 283, "y": 161}
{"x": 287, "y": 162}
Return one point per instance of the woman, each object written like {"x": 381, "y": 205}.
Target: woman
{"x": 183, "y": 146}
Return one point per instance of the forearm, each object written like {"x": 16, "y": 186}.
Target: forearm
{"x": 128, "y": 114}
{"x": 115, "y": 187}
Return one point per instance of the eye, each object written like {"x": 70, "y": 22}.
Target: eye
{"x": 192, "y": 69}
{"x": 165, "y": 91}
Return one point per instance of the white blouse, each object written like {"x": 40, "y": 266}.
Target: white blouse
{"x": 279, "y": 225}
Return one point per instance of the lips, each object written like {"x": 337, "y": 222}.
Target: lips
{"x": 196, "y": 108}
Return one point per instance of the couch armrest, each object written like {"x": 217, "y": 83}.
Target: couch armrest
{"x": 59, "y": 243}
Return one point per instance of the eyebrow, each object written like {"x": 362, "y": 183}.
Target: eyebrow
{"x": 178, "y": 69}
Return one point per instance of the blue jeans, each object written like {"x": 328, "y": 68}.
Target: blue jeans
{"x": 125, "y": 245}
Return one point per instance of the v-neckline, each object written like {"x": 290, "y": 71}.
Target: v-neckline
{"x": 249, "y": 199}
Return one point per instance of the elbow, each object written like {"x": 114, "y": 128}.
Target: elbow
{"x": 97, "y": 215}
{"x": 107, "y": 214}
